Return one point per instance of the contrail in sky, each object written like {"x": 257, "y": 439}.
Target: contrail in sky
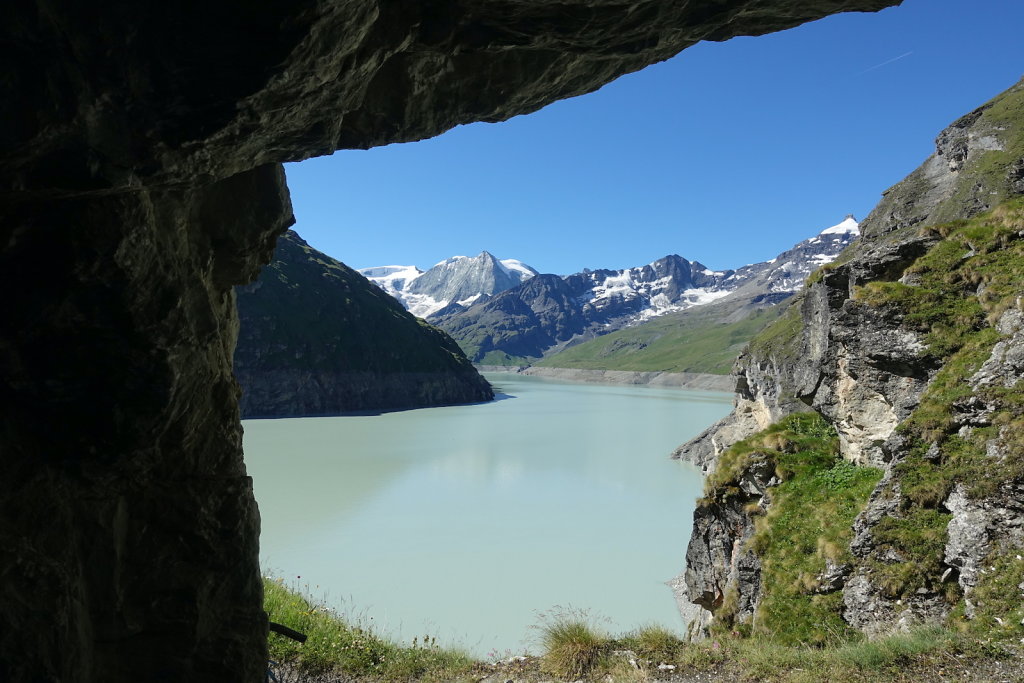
{"x": 888, "y": 61}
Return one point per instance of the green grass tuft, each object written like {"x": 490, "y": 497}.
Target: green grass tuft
{"x": 572, "y": 645}
{"x": 654, "y": 643}
{"x": 336, "y": 646}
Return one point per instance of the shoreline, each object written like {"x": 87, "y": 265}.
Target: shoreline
{"x": 677, "y": 380}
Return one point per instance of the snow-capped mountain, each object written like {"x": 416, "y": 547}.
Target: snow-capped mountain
{"x": 459, "y": 281}
{"x": 786, "y": 272}
{"x": 669, "y": 284}
{"x": 548, "y": 312}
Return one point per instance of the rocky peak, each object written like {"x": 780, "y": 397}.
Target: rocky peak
{"x": 451, "y": 285}
{"x": 976, "y": 165}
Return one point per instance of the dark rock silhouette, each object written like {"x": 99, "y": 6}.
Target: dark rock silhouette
{"x": 317, "y": 338}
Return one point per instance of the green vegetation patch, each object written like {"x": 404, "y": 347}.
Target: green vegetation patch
{"x": 502, "y": 358}
{"x": 338, "y": 647}
{"x": 573, "y": 646}
{"x": 918, "y": 538}
{"x": 690, "y": 341}
{"x": 999, "y": 597}
{"x": 988, "y": 170}
{"x": 807, "y": 528}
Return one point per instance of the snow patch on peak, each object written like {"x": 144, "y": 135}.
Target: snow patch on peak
{"x": 511, "y": 265}
{"x": 390, "y": 272}
{"x": 849, "y": 226}
{"x": 451, "y": 260}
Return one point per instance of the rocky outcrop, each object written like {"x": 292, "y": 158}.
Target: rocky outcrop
{"x": 868, "y": 341}
{"x": 796, "y": 362}
{"x": 723, "y": 576}
{"x": 139, "y": 183}
{"x": 126, "y": 515}
{"x": 317, "y": 338}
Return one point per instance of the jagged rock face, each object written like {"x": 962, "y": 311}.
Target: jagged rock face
{"x": 317, "y": 338}
{"x": 139, "y": 176}
{"x": 722, "y": 574}
{"x": 864, "y": 369}
{"x": 871, "y": 368}
{"x": 118, "y": 96}
{"x": 450, "y": 285}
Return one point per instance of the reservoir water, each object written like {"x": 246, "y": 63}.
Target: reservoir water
{"x": 465, "y": 522}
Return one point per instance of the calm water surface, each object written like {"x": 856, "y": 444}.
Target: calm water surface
{"x": 465, "y": 522}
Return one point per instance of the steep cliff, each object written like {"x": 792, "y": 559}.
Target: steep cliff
{"x": 909, "y": 347}
{"x": 317, "y": 338}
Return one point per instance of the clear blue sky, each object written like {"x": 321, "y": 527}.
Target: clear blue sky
{"x": 727, "y": 154}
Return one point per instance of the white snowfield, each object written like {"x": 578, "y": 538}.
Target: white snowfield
{"x": 849, "y": 226}
{"x": 511, "y": 265}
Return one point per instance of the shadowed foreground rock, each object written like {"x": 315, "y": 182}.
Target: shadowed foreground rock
{"x": 139, "y": 182}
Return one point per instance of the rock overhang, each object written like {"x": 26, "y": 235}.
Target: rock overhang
{"x": 118, "y": 96}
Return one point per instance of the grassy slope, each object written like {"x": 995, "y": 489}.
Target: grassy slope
{"x": 334, "y": 645}
{"x": 808, "y": 524}
{"x": 964, "y": 284}
{"x": 692, "y": 341}
{"x": 575, "y": 649}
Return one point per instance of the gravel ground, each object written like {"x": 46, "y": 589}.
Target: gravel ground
{"x": 937, "y": 668}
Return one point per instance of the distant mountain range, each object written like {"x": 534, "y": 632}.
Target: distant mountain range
{"x": 509, "y": 314}
{"x": 459, "y": 280}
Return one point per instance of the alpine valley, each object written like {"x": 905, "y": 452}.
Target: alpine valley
{"x": 504, "y": 313}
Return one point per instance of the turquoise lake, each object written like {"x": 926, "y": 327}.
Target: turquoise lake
{"x": 464, "y": 523}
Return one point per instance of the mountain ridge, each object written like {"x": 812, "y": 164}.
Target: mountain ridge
{"x": 457, "y": 280}
{"x": 557, "y": 312}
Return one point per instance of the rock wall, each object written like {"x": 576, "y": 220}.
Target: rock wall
{"x": 864, "y": 368}
{"x": 139, "y": 183}
{"x": 127, "y": 518}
